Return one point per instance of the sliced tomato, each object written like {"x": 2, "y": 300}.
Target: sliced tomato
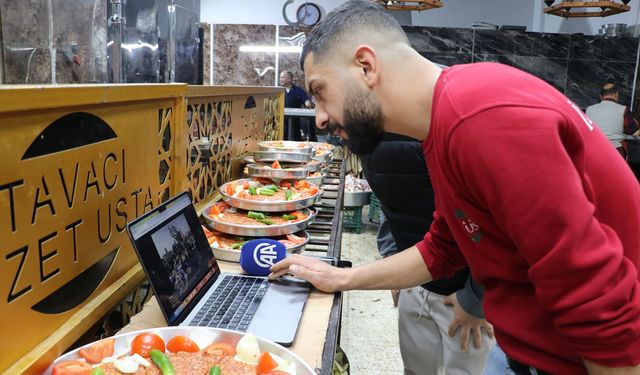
{"x": 182, "y": 344}
{"x": 313, "y": 190}
{"x": 263, "y": 180}
{"x": 145, "y": 342}
{"x": 207, "y": 232}
{"x": 214, "y": 210}
{"x": 98, "y": 351}
{"x": 300, "y": 184}
{"x": 221, "y": 348}
{"x": 245, "y": 185}
{"x": 295, "y": 239}
{"x": 285, "y": 184}
{"x": 299, "y": 216}
{"x": 265, "y": 363}
{"x": 231, "y": 189}
{"x": 287, "y": 244}
{"x": 276, "y": 165}
{"x": 72, "y": 368}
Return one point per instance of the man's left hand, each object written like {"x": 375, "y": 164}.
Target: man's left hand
{"x": 469, "y": 324}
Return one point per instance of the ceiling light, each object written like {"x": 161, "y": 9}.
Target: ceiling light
{"x": 573, "y": 9}
{"x": 418, "y": 5}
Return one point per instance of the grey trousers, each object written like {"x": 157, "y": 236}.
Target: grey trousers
{"x": 425, "y": 345}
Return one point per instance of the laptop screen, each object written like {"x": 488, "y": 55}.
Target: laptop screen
{"x": 175, "y": 254}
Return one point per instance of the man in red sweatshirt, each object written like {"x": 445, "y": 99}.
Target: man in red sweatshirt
{"x": 529, "y": 194}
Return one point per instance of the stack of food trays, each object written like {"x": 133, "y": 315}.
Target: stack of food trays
{"x": 260, "y": 207}
{"x": 290, "y": 160}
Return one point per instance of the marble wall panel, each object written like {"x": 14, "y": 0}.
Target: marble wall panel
{"x": 553, "y": 71}
{"x": 29, "y": 65}
{"x": 447, "y": 59}
{"x": 584, "y": 79}
{"x": 25, "y": 42}
{"x": 619, "y": 49}
{"x": 574, "y": 64}
{"x": 494, "y": 42}
{"x": 290, "y": 37}
{"x": 232, "y": 67}
{"x": 440, "y": 39}
{"x": 78, "y": 41}
{"x": 502, "y": 59}
{"x": 206, "y": 53}
{"x": 589, "y": 47}
{"x": 542, "y": 45}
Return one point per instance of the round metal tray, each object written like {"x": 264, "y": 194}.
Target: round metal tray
{"x": 268, "y": 206}
{"x": 204, "y": 335}
{"x": 316, "y": 180}
{"x": 231, "y": 255}
{"x": 324, "y": 158}
{"x": 260, "y": 230}
{"x": 264, "y": 170}
{"x": 281, "y": 156}
{"x": 323, "y": 146}
{"x": 356, "y": 198}
{"x": 300, "y": 147}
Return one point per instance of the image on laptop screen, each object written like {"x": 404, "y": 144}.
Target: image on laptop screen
{"x": 177, "y": 259}
{"x": 180, "y": 258}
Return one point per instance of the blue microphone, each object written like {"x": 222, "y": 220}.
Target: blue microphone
{"x": 257, "y": 256}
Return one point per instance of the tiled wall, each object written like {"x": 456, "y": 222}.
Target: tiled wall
{"x": 43, "y": 45}
{"x": 577, "y": 64}
{"x": 233, "y": 67}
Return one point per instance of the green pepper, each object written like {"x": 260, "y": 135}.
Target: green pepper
{"x": 237, "y": 245}
{"x": 265, "y": 221}
{"x": 263, "y": 191}
{"x": 215, "y": 370}
{"x": 288, "y": 194}
{"x": 289, "y": 217}
{"x": 162, "y": 361}
{"x": 273, "y": 188}
{"x": 256, "y": 215}
{"x": 97, "y": 371}
{"x": 252, "y": 190}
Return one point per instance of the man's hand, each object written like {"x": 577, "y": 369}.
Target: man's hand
{"x": 469, "y": 324}
{"x": 323, "y": 276}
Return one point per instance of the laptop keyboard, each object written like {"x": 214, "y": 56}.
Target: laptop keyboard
{"x": 232, "y": 304}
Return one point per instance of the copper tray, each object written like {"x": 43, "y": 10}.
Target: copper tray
{"x": 203, "y": 334}
{"x": 259, "y": 230}
{"x": 267, "y": 206}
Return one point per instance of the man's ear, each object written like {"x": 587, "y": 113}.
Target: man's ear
{"x": 366, "y": 61}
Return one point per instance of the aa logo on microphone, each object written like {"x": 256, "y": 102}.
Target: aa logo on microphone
{"x": 265, "y": 254}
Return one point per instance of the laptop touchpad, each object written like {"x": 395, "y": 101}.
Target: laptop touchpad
{"x": 279, "y": 313}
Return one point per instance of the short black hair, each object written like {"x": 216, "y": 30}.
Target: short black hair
{"x": 352, "y": 17}
{"x": 609, "y": 88}
{"x": 289, "y": 73}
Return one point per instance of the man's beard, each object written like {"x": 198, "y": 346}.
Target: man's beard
{"x": 363, "y": 122}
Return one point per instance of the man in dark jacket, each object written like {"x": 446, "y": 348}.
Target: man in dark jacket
{"x": 397, "y": 174}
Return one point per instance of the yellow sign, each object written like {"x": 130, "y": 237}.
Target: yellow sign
{"x": 78, "y": 163}
{"x": 71, "y": 179}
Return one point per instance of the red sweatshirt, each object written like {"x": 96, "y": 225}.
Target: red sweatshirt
{"x": 533, "y": 197}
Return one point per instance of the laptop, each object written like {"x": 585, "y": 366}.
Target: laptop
{"x": 192, "y": 291}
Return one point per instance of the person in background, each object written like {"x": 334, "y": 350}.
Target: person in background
{"x": 436, "y": 321}
{"x": 614, "y": 119}
{"x": 528, "y": 194}
{"x": 295, "y": 97}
